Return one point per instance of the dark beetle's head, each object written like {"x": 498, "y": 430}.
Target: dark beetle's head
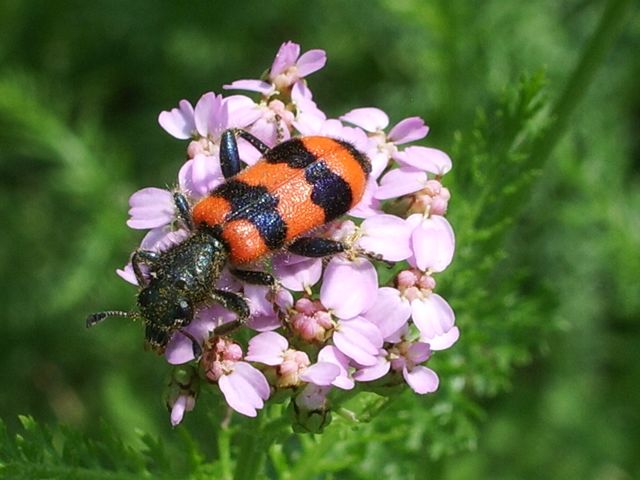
{"x": 165, "y": 309}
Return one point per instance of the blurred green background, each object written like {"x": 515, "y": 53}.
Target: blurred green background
{"x": 82, "y": 83}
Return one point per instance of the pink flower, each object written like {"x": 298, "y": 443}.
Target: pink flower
{"x": 432, "y": 242}
{"x": 179, "y": 122}
{"x": 406, "y": 180}
{"x": 151, "y": 208}
{"x": 184, "y": 403}
{"x": 390, "y": 313}
{"x": 204, "y": 124}
{"x": 288, "y": 67}
{"x": 293, "y": 366}
{"x": 273, "y": 124}
{"x": 331, "y": 354}
{"x": 244, "y": 387}
{"x": 385, "y": 235}
{"x": 311, "y": 321}
{"x": 358, "y": 277}
{"x": 384, "y": 147}
{"x": 266, "y": 306}
{"x": 430, "y": 312}
{"x": 199, "y": 175}
{"x": 309, "y": 118}
{"x": 358, "y": 339}
{"x": 295, "y": 272}
{"x": 406, "y": 357}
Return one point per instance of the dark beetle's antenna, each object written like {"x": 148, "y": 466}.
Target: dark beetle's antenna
{"x": 100, "y": 316}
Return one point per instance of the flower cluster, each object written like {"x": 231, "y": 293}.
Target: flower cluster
{"x": 329, "y": 324}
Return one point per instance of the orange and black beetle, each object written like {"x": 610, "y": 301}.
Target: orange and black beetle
{"x": 296, "y": 186}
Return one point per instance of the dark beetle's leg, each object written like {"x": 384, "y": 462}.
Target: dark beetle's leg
{"x": 376, "y": 257}
{"x": 254, "y": 277}
{"x": 316, "y": 247}
{"x": 184, "y": 209}
{"x": 195, "y": 345}
{"x": 235, "y": 303}
{"x": 229, "y": 156}
{"x": 143, "y": 257}
{"x": 324, "y": 247}
{"x": 262, "y": 147}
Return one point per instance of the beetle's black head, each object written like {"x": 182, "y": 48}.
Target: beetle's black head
{"x": 165, "y": 307}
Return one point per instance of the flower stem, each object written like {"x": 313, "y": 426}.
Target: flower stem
{"x": 224, "y": 451}
{"x": 611, "y": 22}
{"x": 251, "y": 453}
{"x": 255, "y": 444}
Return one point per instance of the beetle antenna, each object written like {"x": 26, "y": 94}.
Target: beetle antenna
{"x": 100, "y": 316}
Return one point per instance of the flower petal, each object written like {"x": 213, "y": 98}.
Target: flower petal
{"x": 358, "y": 339}
{"x": 242, "y": 111}
{"x": 252, "y": 85}
{"x": 375, "y": 371}
{"x": 267, "y": 348}
{"x": 444, "y": 341}
{"x": 210, "y": 115}
{"x": 180, "y": 347}
{"x": 295, "y": 272}
{"x": 419, "y": 352}
{"x": 368, "y": 205}
{"x": 421, "y": 379}
{"x": 178, "y": 122}
{"x": 399, "y": 182}
{"x": 255, "y": 378}
{"x": 332, "y": 355}
{"x": 178, "y": 410}
{"x": 390, "y": 312}
{"x": 408, "y": 130}
{"x": 321, "y": 373}
{"x": 286, "y": 57}
{"x": 433, "y": 242}
{"x": 311, "y": 61}
{"x": 388, "y": 236}
{"x": 359, "y": 278}
{"x": 426, "y": 159}
{"x": 200, "y": 175}
{"x": 244, "y": 389}
{"x": 127, "y": 274}
{"x": 257, "y": 298}
{"x": 370, "y": 119}
{"x": 433, "y": 316}
{"x": 151, "y": 208}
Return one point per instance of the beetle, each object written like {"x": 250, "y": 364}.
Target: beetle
{"x": 296, "y": 186}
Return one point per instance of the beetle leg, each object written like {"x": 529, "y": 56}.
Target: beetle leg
{"x": 229, "y": 156}
{"x": 259, "y": 145}
{"x": 316, "y": 247}
{"x": 141, "y": 257}
{"x": 235, "y": 303}
{"x": 184, "y": 209}
{"x": 195, "y": 345}
{"x": 254, "y": 277}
